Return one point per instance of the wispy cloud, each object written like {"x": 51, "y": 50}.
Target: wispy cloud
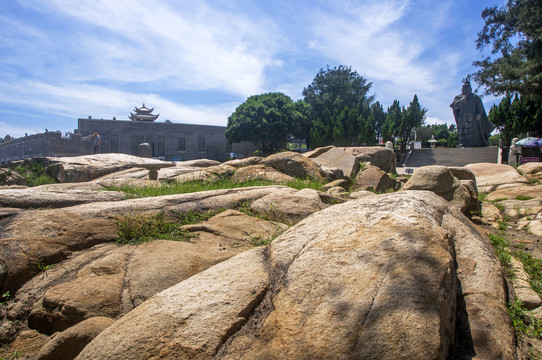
{"x": 77, "y": 101}
{"x": 185, "y": 45}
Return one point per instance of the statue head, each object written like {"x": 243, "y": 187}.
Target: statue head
{"x": 466, "y": 89}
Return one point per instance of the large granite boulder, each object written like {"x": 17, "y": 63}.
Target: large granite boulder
{"x": 374, "y": 179}
{"x": 260, "y": 172}
{"x": 48, "y": 236}
{"x": 295, "y": 165}
{"x": 69, "y": 343}
{"x": 237, "y": 163}
{"x": 121, "y": 278}
{"x": 89, "y": 167}
{"x": 337, "y": 158}
{"x": 490, "y": 177}
{"x": 532, "y": 170}
{"x": 462, "y": 194}
{"x": 48, "y": 197}
{"x": 371, "y": 278}
{"x": 376, "y": 155}
{"x": 518, "y": 191}
{"x": 10, "y": 177}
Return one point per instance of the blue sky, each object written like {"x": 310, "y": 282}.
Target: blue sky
{"x": 196, "y": 61}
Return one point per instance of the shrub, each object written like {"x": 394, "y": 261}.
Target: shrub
{"x": 34, "y": 174}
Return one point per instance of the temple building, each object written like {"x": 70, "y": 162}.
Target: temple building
{"x": 169, "y": 140}
{"x": 143, "y": 114}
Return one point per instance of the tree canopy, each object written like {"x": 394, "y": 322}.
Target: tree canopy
{"x": 266, "y": 120}
{"x": 339, "y": 104}
{"x": 514, "y": 32}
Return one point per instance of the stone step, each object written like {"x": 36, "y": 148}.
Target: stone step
{"x": 453, "y": 156}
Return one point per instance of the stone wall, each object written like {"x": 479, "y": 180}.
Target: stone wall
{"x": 43, "y": 145}
{"x": 169, "y": 141}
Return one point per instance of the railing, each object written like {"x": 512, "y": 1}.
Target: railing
{"x": 202, "y": 155}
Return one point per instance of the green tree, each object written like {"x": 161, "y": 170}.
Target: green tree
{"x": 333, "y": 95}
{"x": 514, "y": 32}
{"x": 379, "y": 116}
{"x": 411, "y": 118}
{"x": 393, "y": 119}
{"x": 266, "y": 120}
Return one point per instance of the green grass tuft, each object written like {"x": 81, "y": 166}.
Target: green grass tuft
{"x": 136, "y": 228}
{"x": 520, "y": 197}
{"x": 523, "y": 322}
{"x": 199, "y": 185}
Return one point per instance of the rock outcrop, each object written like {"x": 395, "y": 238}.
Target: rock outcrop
{"x": 439, "y": 179}
{"x": 371, "y": 278}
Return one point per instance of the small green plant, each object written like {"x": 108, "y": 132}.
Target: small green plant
{"x": 42, "y": 268}
{"x": 499, "y": 200}
{"x": 521, "y": 197}
{"x": 501, "y": 245}
{"x": 136, "y": 228}
{"x": 499, "y": 206}
{"x": 263, "y": 240}
{"x": 503, "y": 224}
{"x": 533, "y": 267}
{"x": 34, "y": 174}
{"x": 13, "y": 356}
{"x": 5, "y": 298}
{"x": 482, "y": 197}
{"x": 522, "y": 321}
{"x": 534, "y": 181}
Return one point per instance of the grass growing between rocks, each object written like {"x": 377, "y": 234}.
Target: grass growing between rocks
{"x": 137, "y": 228}
{"x": 523, "y": 322}
{"x": 172, "y": 188}
{"x": 34, "y": 174}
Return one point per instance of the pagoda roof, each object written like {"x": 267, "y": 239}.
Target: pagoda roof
{"x": 143, "y": 117}
{"x": 143, "y": 109}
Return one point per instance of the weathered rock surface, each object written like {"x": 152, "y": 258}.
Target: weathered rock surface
{"x": 490, "y": 177}
{"x": 522, "y": 288}
{"x": 373, "y": 178}
{"x": 10, "y": 177}
{"x": 237, "y": 163}
{"x": 68, "y": 344}
{"x": 260, "y": 172}
{"x": 109, "y": 281}
{"x": 531, "y": 170}
{"x": 370, "y": 278}
{"x": 51, "y": 235}
{"x": 439, "y": 179}
{"x": 338, "y": 158}
{"x": 523, "y": 190}
{"x": 89, "y": 167}
{"x": 376, "y": 155}
{"x": 294, "y": 164}
{"x": 290, "y": 206}
{"x": 38, "y": 197}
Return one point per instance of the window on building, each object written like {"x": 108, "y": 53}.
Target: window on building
{"x": 201, "y": 145}
{"x": 182, "y": 144}
{"x": 161, "y": 147}
{"x": 134, "y": 148}
{"x": 114, "y": 144}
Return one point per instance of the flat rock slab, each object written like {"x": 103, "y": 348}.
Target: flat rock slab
{"x": 43, "y": 198}
{"x": 522, "y": 190}
{"x": 490, "y": 177}
{"x": 89, "y": 167}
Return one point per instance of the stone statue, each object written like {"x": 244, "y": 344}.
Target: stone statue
{"x": 473, "y": 127}
{"x": 514, "y": 149}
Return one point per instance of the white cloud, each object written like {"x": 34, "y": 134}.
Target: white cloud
{"x": 75, "y": 101}
{"x": 187, "y": 45}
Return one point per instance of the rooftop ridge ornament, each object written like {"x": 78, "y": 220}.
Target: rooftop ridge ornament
{"x": 143, "y": 114}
